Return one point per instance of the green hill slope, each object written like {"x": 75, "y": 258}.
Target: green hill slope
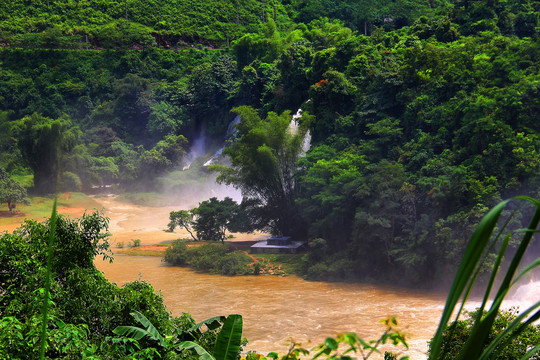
{"x": 115, "y": 23}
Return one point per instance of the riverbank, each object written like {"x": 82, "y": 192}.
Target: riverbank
{"x": 276, "y": 309}
{"x": 40, "y": 207}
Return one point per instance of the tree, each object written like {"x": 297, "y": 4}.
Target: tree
{"x": 214, "y": 217}
{"x": 263, "y": 162}
{"x": 42, "y": 141}
{"x": 181, "y": 218}
{"x": 11, "y": 191}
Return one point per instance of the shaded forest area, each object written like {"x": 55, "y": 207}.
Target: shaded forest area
{"x": 417, "y": 129}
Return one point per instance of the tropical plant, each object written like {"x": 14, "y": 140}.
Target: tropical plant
{"x": 486, "y": 237}
{"x": 227, "y": 345}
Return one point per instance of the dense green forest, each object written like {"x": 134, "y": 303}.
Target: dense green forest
{"x": 143, "y": 24}
{"x": 422, "y": 115}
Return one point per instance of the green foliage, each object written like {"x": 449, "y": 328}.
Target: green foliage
{"x": 263, "y": 163}
{"x": 440, "y": 96}
{"x": 213, "y": 258}
{"x": 42, "y": 140}
{"x": 84, "y": 307}
{"x": 105, "y": 24}
{"x": 213, "y": 218}
{"x": 181, "y": 218}
{"x": 11, "y": 191}
{"x": 457, "y": 333}
{"x": 227, "y": 344}
{"x": 229, "y": 339}
{"x": 478, "y": 344}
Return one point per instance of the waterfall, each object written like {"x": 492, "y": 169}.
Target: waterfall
{"x": 527, "y": 294}
{"x": 230, "y": 132}
{"x": 293, "y": 129}
{"x": 231, "y": 129}
{"x": 197, "y": 149}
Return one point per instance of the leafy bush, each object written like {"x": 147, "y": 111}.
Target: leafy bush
{"x": 233, "y": 263}
{"x": 213, "y": 258}
{"x": 176, "y": 254}
{"x": 84, "y": 306}
{"x": 457, "y": 333}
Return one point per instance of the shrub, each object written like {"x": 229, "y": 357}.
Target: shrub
{"x": 233, "y": 263}
{"x": 457, "y": 333}
{"x": 176, "y": 254}
{"x": 213, "y": 258}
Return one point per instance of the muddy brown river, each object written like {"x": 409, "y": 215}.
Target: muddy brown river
{"x": 276, "y": 310}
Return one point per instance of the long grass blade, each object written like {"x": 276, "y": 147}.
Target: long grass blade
{"x": 477, "y": 244}
{"x": 481, "y": 329}
{"x": 524, "y": 244}
{"x": 512, "y": 331}
{"x": 45, "y": 309}
{"x": 528, "y": 269}
{"x": 497, "y": 264}
{"x": 531, "y": 352}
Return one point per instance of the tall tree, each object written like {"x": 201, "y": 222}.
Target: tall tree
{"x": 263, "y": 162}
{"x": 42, "y": 140}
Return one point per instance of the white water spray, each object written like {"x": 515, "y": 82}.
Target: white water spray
{"x": 526, "y": 295}
{"x": 293, "y": 129}
{"x": 231, "y": 129}
{"x": 197, "y": 149}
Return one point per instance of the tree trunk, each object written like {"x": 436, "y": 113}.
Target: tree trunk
{"x": 190, "y": 233}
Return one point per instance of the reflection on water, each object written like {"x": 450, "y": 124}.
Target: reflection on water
{"x": 278, "y": 308}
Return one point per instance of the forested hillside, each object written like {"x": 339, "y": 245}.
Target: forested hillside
{"x": 422, "y": 114}
{"x": 142, "y": 24}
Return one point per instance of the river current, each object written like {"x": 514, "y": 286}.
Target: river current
{"x": 276, "y": 310}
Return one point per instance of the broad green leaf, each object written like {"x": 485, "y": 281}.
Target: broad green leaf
{"x": 212, "y": 323}
{"x": 229, "y": 339}
{"x": 190, "y": 345}
{"x": 133, "y": 332}
{"x": 152, "y": 331}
